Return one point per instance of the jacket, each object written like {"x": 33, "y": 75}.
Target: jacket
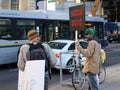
{"x": 23, "y": 56}
{"x": 93, "y": 57}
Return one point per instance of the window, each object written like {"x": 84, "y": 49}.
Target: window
{"x": 5, "y": 29}
{"x": 22, "y": 32}
{"x": 5, "y": 22}
{"x": 25, "y": 22}
{"x": 84, "y": 45}
{"x": 14, "y": 4}
{"x": 56, "y": 45}
{"x": 23, "y": 26}
{"x": 50, "y": 32}
{"x": 72, "y": 47}
{"x": 6, "y": 33}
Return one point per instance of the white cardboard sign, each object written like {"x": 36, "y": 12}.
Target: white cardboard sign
{"x": 33, "y": 76}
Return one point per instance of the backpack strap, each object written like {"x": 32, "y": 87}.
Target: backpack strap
{"x": 18, "y": 52}
{"x": 48, "y": 63}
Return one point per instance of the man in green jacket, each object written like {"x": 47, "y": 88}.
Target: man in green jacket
{"x": 93, "y": 59}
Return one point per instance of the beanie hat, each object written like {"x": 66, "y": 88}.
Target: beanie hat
{"x": 33, "y": 34}
{"x": 90, "y": 31}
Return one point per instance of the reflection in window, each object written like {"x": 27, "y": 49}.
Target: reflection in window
{"x": 72, "y": 47}
{"x": 5, "y": 33}
{"x": 22, "y": 32}
{"x": 56, "y": 45}
{"x": 84, "y": 45}
{"x": 5, "y": 22}
{"x": 50, "y": 30}
{"x": 23, "y": 26}
{"x": 25, "y": 22}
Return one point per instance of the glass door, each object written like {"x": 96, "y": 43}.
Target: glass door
{"x": 46, "y": 30}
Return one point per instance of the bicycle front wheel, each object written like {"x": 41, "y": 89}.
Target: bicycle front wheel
{"x": 78, "y": 79}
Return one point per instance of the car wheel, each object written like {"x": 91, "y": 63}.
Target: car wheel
{"x": 70, "y": 66}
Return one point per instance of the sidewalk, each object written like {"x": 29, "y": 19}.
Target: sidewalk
{"x": 112, "y": 46}
{"x": 112, "y": 81}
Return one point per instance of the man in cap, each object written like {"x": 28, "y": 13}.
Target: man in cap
{"x": 24, "y": 53}
{"x": 93, "y": 59}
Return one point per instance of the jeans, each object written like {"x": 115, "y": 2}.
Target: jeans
{"x": 93, "y": 81}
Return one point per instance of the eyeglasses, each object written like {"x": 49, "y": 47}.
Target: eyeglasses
{"x": 86, "y": 33}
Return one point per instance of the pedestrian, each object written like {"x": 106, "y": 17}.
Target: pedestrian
{"x": 93, "y": 59}
{"x": 25, "y": 54}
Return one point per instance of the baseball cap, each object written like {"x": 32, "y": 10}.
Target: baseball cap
{"x": 90, "y": 31}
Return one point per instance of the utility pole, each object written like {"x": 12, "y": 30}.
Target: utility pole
{"x": 116, "y": 11}
{"x": 116, "y": 18}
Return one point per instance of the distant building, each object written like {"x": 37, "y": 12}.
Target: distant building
{"x": 62, "y": 5}
{"x": 65, "y": 4}
{"x": 9, "y": 4}
{"x": 112, "y": 10}
{"x": 18, "y": 4}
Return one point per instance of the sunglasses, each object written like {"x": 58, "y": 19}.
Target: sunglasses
{"x": 86, "y": 33}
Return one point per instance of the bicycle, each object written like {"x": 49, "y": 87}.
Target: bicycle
{"x": 79, "y": 79}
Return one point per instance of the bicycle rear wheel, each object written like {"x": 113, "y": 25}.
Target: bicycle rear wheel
{"x": 78, "y": 79}
{"x": 102, "y": 74}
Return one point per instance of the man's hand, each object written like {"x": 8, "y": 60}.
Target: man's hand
{"x": 77, "y": 44}
{"x": 53, "y": 65}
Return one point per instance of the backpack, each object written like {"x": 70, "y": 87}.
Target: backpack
{"x": 37, "y": 52}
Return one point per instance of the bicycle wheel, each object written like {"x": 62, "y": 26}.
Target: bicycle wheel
{"x": 102, "y": 74}
{"x": 78, "y": 79}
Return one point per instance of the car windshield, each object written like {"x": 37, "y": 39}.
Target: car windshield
{"x": 84, "y": 45}
{"x": 56, "y": 45}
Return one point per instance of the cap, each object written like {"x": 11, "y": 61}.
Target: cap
{"x": 32, "y": 35}
{"x": 90, "y": 31}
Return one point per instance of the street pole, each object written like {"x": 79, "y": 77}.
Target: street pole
{"x": 116, "y": 18}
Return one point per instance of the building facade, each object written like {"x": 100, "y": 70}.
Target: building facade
{"x": 112, "y": 10}
{"x": 46, "y": 5}
{"x": 18, "y": 4}
{"x": 63, "y": 5}
{"x": 9, "y": 4}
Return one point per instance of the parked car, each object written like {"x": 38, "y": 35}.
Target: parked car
{"x": 66, "y": 46}
{"x": 112, "y": 38}
{"x": 69, "y": 46}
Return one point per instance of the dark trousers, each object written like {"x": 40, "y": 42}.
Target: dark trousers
{"x": 46, "y": 83}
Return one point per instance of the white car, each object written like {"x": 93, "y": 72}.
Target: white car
{"x": 66, "y": 46}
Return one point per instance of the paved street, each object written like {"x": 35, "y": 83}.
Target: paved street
{"x": 113, "y": 47}
{"x": 112, "y": 81}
